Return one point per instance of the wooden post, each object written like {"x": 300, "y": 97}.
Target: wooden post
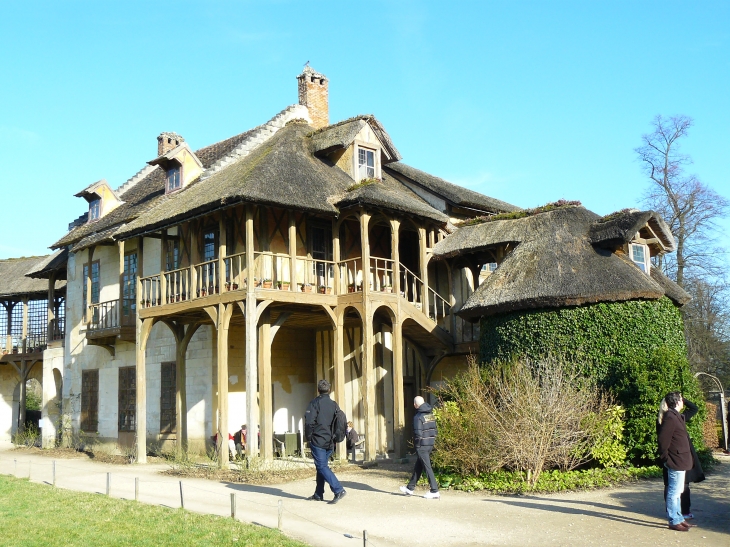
{"x": 142, "y": 328}
{"x": 120, "y": 248}
{"x": 338, "y": 288}
{"x": 252, "y": 418}
{"x": 222, "y": 251}
{"x": 163, "y": 267}
{"x": 194, "y": 259}
{"x": 395, "y": 254}
{"x": 292, "y": 251}
{"x": 222, "y": 354}
{"x": 87, "y": 304}
{"x": 365, "y": 244}
{"x": 423, "y": 274}
{"x": 398, "y": 402}
{"x": 9, "y": 334}
{"x": 25, "y": 324}
{"x": 51, "y": 317}
{"x": 265, "y": 398}
{"x": 338, "y": 355}
{"x": 181, "y": 404}
{"x": 368, "y": 372}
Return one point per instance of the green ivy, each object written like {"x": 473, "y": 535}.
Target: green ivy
{"x": 635, "y": 348}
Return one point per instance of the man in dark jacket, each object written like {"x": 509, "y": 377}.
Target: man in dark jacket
{"x": 424, "y": 437}
{"x": 319, "y": 418}
{"x": 676, "y": 455}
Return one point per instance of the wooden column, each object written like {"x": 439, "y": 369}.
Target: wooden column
{"x": 87, "y": 314}
{"x": 368, "y": 371}
{"x": 143, "y": 331}
{"x": 222, "y": 358}
{"x": 181, "y": 403}
{"x": 398, "y": 402}
{"x": 25, "y": 324}
{"x": 452, "y": 300}
{"x": 51, "y": 316}
{"x": 338, "y": 289}
{"x": 163, "y": 267}
{"x": 9, "y": 334}
{"x": 194, "y": 259}
{"x": 222, "y": 251}
{"x": 338, "y": 356}
{"x": 265, "y": 399}
{"x": 120, "y": 306}
{"x": 423, "y": 263}
{"x": 252, "y": 414}
{"x": 292, "y": 251}
{"x": 395, "y": 253}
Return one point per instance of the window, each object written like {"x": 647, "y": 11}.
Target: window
{"x": 94, "y": 284}
{"x": 173, "y": 179}
{"x": 172, "y": 255}
{"x": 129, "y": 288}
{"x": 365, "y": 163}
{"x": 640, "y": 256}
{"x": 94, "y": 210}
{"x": 168, "y": 398}
{"x": 90, "y": 400}
{"x": 127, "y": 398}
{"x": 210, "y": 245}
{"x": 489, "y": 267}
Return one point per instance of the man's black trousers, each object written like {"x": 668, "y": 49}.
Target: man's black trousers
{"x": 423, "y": 463}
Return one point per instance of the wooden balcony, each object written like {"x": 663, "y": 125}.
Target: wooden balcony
{"x": 110, "y": 321}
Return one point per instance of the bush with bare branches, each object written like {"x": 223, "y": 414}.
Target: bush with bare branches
{"x": 521, "y": 416}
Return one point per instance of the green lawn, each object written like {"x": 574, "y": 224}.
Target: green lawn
{"x": 36, "y": 514}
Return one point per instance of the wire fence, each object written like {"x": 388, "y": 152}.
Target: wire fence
{"x": 177, "y": 493}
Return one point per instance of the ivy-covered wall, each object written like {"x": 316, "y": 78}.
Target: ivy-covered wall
{"x": 634, "y": 348}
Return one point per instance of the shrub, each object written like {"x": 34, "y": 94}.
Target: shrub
{"x": 608, "y": 433}
{"x": 28, "y": 437}
{"x": 520, "y": 416}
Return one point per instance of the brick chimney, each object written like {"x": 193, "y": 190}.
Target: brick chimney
{"x": 313, "y": 93}
{"x": 167, "y": 141}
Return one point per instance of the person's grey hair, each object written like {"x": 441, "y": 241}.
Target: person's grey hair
{"x": 663, "y": 408}
{"x": 323, "y": 386}
{"x": 418, "y": 401}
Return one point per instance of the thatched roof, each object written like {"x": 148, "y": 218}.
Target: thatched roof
{"x": 456, "y": 195}
{"x": 13, "y": 280}
{"x": 342, "y": 135}
{"x": 552, "y": 263}
{"x": 54, "y": 262}
{"x": 392, "y": 195}
{"x": 675, "y": 293}
{"x": 620, "y": 228}
{"x": 138, "y": 198}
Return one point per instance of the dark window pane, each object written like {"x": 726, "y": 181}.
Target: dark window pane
{"x": 127, "y": 398}
{"x": 168, "y": 414}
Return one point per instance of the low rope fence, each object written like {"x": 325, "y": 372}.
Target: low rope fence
{"x": 112, "y": 485}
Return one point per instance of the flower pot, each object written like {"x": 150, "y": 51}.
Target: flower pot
{"x": 285, "y": 285}
{"x": 321, "y": 290}
{"x": 306, "y": 288}
{"x": 387, "y": 289}
{"x": 267, "y": 284}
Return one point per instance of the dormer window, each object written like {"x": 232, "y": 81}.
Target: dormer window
{"x": 640, "y": 256}
{"x": 94, "y": 210}
{"x": 174, "y": 180}
{"x": 366, "y": 165}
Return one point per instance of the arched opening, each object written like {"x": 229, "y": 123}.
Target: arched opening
{"x": 383, "y": 365}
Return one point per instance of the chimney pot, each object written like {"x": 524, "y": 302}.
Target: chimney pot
{"x": 167, "y": 141}
{"x": 314, "y": 94}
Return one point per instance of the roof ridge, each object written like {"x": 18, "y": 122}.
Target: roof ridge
{"x": 132, "y": 181}
{"x": 258, "y": 135}
{"x": 364, "y": 117}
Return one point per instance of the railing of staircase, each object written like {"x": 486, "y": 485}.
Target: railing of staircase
{"x": 351, "y": 275}
{"x": 410, "y": 286}
{"x": 381, "y": 274}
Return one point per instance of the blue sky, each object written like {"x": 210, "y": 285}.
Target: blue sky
{"x": 528, "y": 102}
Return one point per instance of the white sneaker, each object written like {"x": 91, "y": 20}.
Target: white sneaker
{"x": 432, "y": 495}
{"x": 405, "y": 490}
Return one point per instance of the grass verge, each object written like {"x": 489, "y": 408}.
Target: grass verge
{"x": 505, "y": 482}
{"x": 38, "y": 515}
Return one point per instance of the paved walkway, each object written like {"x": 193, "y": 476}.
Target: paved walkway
{"x": 630, "y": 516}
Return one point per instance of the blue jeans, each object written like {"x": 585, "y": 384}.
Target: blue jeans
{"x": 675, "y": 487}
{"x": 324, "y": 473}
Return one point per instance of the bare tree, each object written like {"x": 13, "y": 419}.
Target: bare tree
{"x": 690, "y": 207}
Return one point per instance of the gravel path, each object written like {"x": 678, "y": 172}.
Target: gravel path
{"x": 629, "y": 516}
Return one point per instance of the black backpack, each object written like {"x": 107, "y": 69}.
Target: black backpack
{"x": 339, "y": 426}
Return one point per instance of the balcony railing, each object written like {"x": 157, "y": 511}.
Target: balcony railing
{"x": 106, "y": 315}
{"x": 314, "y": 275}
{"x": 206, "y": 278}
{"x": 236, "y": 272}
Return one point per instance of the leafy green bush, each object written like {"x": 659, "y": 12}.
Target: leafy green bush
{"x": 635, "y": 348}
{"x": 608, "y": 449}
{"x": 511, "y": 482}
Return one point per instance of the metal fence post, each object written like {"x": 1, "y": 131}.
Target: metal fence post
{"x": 724, "y": 412}
{"x": 182, "y": 498}
{"x": 364, "y": 538}
{"x": 54, "y": 472}
{"x": 136, "y": 488}
{"x": 30, "y": 463}
{"x": 281, "y": 514}
{"x": 233, "y": 505}
{"x": 108, "y": 484}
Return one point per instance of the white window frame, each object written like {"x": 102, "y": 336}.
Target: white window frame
{"x": 168, "y": 188}
{"x": 360, "y": 167}
{"x": 95, "y": 210}
{"x": 643, "y": 266}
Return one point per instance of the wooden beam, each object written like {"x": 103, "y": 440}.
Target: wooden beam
{"x": 338, "y": 357}
{"x": 265, "y": 399}
{"x": 224, "y": 317}
{"x": 398, "y": 402}
{"x": 143, "y": 331}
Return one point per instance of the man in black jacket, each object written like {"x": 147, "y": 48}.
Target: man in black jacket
{"x": 676, "y": 455}
{"x": 319, "y": 418}
{"x": 424, "y": 437}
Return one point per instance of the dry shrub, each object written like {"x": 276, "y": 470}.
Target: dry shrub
{"x": 709, "y": 427}
{"x": 521, "y": 416}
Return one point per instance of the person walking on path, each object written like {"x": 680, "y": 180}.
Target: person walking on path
{"x": 424, "y": 437}
{"x": 676, "y": 456}
{"x": 319, "y": 419}
{"x": 696, "y": 474}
